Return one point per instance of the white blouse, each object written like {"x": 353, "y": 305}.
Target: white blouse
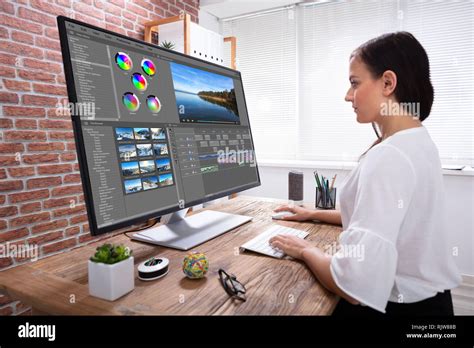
{"x": 394, "y": 245}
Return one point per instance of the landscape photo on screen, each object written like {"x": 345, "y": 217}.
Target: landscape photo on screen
{"x": 202, "y": 96}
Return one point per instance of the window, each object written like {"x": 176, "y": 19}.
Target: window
{"x": 295, "y": 70}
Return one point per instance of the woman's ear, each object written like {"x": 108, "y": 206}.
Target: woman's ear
{"x": 389, "y": 80}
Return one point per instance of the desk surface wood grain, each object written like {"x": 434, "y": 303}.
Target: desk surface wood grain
{"x": 58, "y": 284}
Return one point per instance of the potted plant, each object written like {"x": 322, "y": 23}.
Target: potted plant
{"x": 111, "y": 272}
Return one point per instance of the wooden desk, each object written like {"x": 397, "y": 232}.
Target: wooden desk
{"x": 58, "y": 284}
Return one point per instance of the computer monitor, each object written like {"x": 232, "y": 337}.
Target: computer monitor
{"x": 156, "y": 132}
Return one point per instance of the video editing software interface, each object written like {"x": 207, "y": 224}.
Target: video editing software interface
{"x": 160, "y": 125}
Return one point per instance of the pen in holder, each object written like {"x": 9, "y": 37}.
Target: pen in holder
{"x": 326, "y": 199}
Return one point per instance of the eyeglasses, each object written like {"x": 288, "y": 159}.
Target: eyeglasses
{"x": 232, "y": 286}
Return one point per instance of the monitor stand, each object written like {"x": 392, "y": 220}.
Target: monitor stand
{"x": 184, "y": 233}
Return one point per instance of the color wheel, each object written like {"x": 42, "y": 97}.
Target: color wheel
{"x": 148, "y": 67}
{"x": 131, "y": 101}
{"x": 153, "y": 104}
{"x": 123, "y": 61}
{"x": 139, "y": 81}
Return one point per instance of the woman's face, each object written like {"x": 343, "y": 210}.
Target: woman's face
{"x": 365, "y": 92}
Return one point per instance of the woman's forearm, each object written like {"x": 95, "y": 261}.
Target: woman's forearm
{"x": 328, "y": 216}
{"x": 319, "y": 263}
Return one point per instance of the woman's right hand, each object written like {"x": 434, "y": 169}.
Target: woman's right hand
{"x": 300, "y": 214}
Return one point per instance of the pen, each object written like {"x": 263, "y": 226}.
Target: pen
{"x": 332, "y": 183}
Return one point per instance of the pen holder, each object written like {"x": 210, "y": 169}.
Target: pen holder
{"x": 325, "y": 200}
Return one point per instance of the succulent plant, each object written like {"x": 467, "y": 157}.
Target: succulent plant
{"x": 110, "y": 254}
{"x": 167, "y": 44}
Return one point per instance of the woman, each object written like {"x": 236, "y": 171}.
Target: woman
{"x": 391, "y": 205}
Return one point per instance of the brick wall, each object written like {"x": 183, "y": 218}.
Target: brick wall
{"x": 41, "y": 199}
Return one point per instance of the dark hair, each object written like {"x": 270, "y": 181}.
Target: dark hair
{"x": 401, "y": 53}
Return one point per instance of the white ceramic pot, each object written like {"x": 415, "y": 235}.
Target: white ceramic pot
{"x": 110, "y": 282}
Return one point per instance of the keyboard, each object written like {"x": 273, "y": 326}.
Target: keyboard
{"x": 260, "y": 243}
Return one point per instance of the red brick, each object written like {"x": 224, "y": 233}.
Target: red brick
{"x": 46, "y": 146}
{"x": 36, "y": 16}
{"x": 72, "y": 231}
{"x": 11, "y": 185}
{"x": 54, "y": 169}
{"x": 69, "y": 211}
{"x": 36, "y": 75}
{"x": 112, "y": 9}
{"x": 53, "y": 56}
{"x": 9, "y": 160}
{"x": 66, "y": 190}
{"x": 6, "y": 71}
{"x": 115, "y": 29}
{"x": 23, "y": 111}
{"x": 6, "y": 97}
{"x": 52, "y": 33}
{"x": 29, "y": 219}
{"x": 15, "y": 85}
{"x": 127, "y": 24}
{"x": 43, "y": 182}
{"x": 72, "y": 178}
{"x": 47, "y": 43}
{"x": 28, "y": 196}
{"x": 3, "y": 175}
{"x": 67, "y": 157}
{"x": 39, "y": 100}
{"x": 40, "y": 158}
{"x": 144, "y": 4}
{"x": 49, "y": 226}
{"x": 26, "y": 123}
{"x": 45, "y": 238}
{"x": 17, "y": 23}
{"x": 58, "y": 124}
{"x": 22, "y": 309}
{"x": 24, "y": 135}
{"x": 137, "y": 10}
{"x": 22, "y": 171}
{"x": 130, "y": 16}
{"x": 51, "y": 9}
{"x": 50, "y": 89}
{"x": 113, "y": 19}
{"x": 67, "y": 243}
{"x": 11, "y": 147}
{"x": 2, "y": 199}
{"x": 61, "y": 135}
{"x": 59, "y": 202}
{"x": 78, "y": 219}
{"x": 13, "y": 234}
{"x": 5, "y": 299}
{"x": 30, "y": 207}
{"x": 6, "y": 310}
{"x": 88, "y": 10}
{"x": 8, "y": 211}
{"x": 8, "y": 59}
{"x": 89, "y": 20}
{"x": 3, "y": 33}
{"x": 6, "y": 7}
{"x": 42, "y": 65}
{"x": 119, "y": 3}
{"x": 20, "y": 36}
{"x": 6, "y": 123}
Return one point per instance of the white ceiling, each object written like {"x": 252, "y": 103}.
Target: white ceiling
{"x": 232, "y": 8}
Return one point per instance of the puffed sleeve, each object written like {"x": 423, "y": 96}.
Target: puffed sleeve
{"x": 364, "y": 266}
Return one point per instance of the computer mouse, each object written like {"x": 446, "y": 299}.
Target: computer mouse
{"x": 282, "y": 214}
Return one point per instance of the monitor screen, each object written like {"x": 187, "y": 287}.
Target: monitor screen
{"x": 156, "y": 131}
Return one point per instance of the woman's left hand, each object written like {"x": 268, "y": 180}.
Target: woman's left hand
{"x": 290, "y": 245}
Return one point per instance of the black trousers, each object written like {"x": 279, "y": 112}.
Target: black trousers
{"x": 441, "y": 304}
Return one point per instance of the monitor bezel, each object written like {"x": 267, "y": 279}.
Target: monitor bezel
{"x": 80, "y": 148}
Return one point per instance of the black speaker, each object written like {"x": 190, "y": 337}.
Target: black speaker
{"x": 295, "y": 186}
